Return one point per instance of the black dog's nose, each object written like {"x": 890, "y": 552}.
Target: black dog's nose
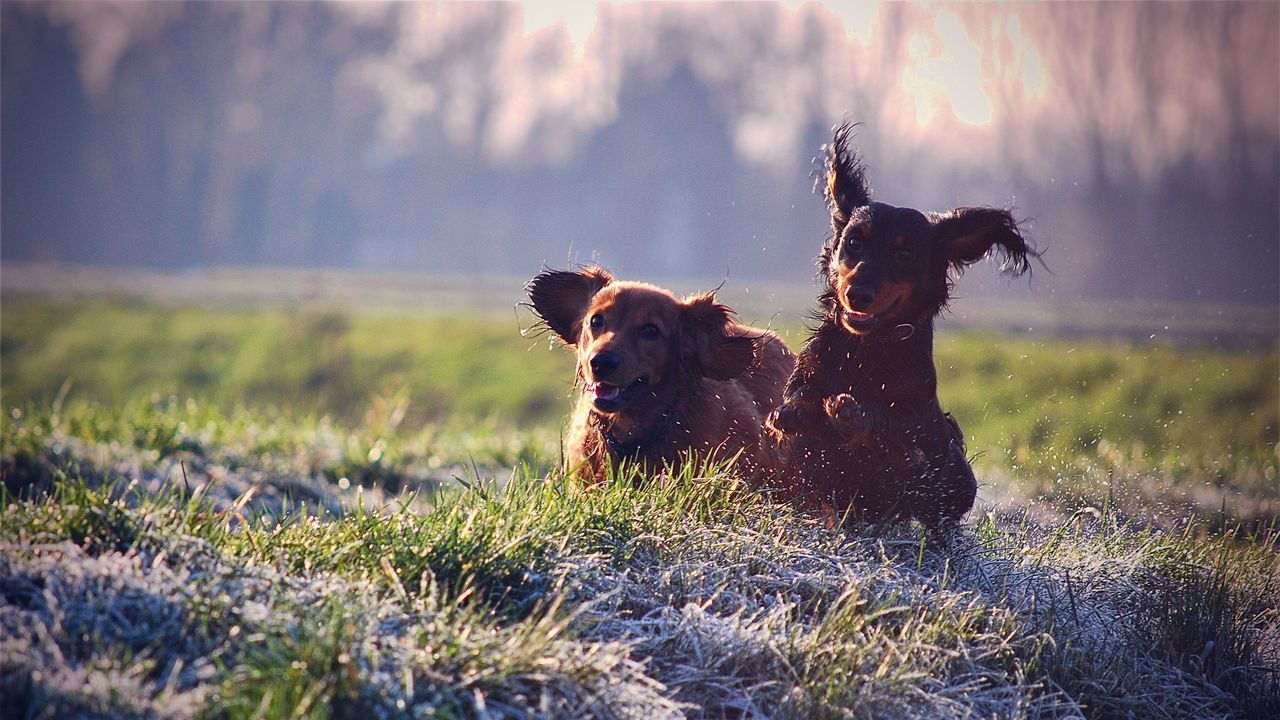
{"x": 603, "y": 363}
{"x": 860, "y": 298}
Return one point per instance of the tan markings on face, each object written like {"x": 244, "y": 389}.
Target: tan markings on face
{"x": 896, "y": 295}
{"x": 886, "y": 295}
{"x": 866, "y": 231}
{"x": 842, "y": 286}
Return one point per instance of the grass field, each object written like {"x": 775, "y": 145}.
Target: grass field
{"x": 228, "y": 534}
{"x": 1156, "y": 430}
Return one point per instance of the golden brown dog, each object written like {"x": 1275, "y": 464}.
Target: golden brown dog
{"x": 661, "y": 378}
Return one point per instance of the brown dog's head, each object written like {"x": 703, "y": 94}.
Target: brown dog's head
{"x": 888, "y": 265}
{"x": 638, "y": 345}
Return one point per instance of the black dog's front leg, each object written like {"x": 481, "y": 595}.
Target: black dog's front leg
{"x": 948, "y": 486}
{"x": 958, "y": 488}
{"x": 856, "y": 423}
{"x": 793, "y": 426}
{"x": 798, "y": 412}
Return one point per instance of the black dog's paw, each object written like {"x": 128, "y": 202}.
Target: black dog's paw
{"x": 790, "y": 417}
{"x": 852, "y": 420}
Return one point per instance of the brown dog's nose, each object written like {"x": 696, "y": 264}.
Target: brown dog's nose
{"x": 860, "y": 298}
{"x": 603, "y": 363}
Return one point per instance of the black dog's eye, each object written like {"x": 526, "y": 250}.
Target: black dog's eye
{"x": 905, "y": 255}
{"x": 853, "y": 247}
{"x": 650, "y": 332}
{"x": 597, "y": 321}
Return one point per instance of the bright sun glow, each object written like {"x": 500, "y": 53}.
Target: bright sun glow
{"x": 945, "y": 69}
{"x": 577, "y": 17}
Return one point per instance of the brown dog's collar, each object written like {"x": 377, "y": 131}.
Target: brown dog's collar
{"x": 631, "y": 450}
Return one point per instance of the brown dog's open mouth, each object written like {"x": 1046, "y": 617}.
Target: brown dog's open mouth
{"x": 610, "y": 398}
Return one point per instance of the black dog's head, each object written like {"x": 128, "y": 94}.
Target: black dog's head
{"x": 888, "y": 265}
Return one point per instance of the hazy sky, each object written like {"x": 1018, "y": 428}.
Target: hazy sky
{"x": 1104, "y": 121}
{"x": 978, "y": 71}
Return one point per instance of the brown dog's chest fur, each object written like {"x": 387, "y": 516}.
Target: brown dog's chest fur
{"x": 706, "y": 419}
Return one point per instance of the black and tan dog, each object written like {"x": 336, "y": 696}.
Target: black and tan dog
{"x": 662, "y": 379}
{"x": 860, "y": 428}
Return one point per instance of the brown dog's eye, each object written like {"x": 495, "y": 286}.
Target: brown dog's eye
{"x": 853, "y": 247}
{"x": 650, "y": 332}
{"x": 597, "y": 321}
{"x": 905, "y": 255}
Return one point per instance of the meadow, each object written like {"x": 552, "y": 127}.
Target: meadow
{"x": 292, "y": 510}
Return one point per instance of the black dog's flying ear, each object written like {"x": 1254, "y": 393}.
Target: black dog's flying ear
{"x": 847, "y": 186}
{"x": 561, "y": 298}
{"x": 716, "y": 353}
{"x": 966, "y": 235}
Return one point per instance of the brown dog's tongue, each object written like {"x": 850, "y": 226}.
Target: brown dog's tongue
{"x": 605, "y": 392}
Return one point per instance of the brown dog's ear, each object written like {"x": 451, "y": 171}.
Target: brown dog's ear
{"x": 847, "y": 186}
{"x": 716, "y": 353}
{"x": 561, "y": 298}
{"x": 966, "y": 235}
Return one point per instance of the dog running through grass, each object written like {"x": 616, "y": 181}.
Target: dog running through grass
{"x": 661, "y": 379}
{"x": 860, "y": 429}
